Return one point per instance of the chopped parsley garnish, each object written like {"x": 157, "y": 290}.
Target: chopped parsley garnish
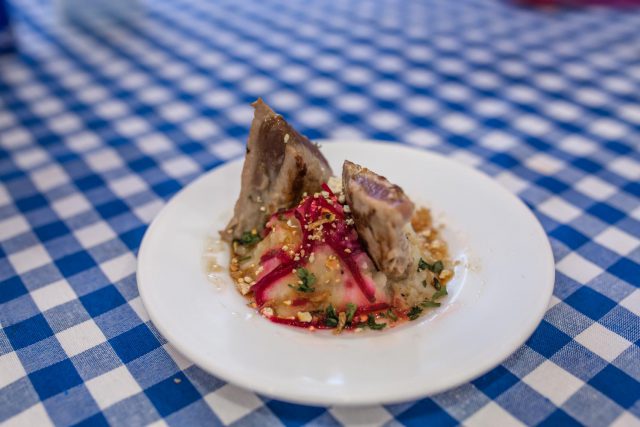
{"x": 371, "y": 323}
{"x": 424, "y": 283}
{"x": 414, "y": 313}
{"x": 331, "y": 317}
{"x": 436, "y": 284}
{"x": 428, "y": 303}
{"x": 436, "y": 267}
{"x": 248, "y": 238}
{"x": 439, "y": 293}
{"x": 351, "y": 311}
{"x": 307, "y": 280}
{"x": 392, "y": 315}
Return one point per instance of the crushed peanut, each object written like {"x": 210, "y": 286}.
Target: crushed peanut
{"x": 304, "y": 316}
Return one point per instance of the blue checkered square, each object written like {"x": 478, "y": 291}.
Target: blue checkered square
{"x": 29, "y": 331}
{"x": 55, "y": 379}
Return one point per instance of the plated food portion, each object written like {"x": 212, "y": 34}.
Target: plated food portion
{"x": 313, "y": 250}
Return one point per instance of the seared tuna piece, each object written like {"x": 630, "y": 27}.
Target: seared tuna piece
{"x": 381, "y": 212}
{"x": 280, "y": 165}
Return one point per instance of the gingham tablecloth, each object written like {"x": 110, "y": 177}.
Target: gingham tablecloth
{"x": 101, "y": 125}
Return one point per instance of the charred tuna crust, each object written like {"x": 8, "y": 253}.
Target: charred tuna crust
{"x": 280, "y": 165}
{"x": 381, "y": 211}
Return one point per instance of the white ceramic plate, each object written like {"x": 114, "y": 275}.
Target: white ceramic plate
{"x": 498, "y": 296}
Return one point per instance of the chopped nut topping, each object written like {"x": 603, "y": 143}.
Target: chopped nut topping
{"x": 304, "y": 316}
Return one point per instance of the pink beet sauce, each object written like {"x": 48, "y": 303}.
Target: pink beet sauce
{"x": 340, "y": 236}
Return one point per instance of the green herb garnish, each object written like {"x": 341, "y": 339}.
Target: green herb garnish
{"x": 351, "y": 311}
{"x": 371, "y": 323}
{"x": 331, "y": 317}
{"x": 436, "y": 284}
{"x": 436, "y": 267}
{"x": 307, "y": 280}
{"x": 414, "y": 313}
{"x": 440, "y": 293}
{"x": 392, "y": 315}
{"x": 248, "y": 238}
{"x": 424, "y": 283}
{"x": 428, "y": 303}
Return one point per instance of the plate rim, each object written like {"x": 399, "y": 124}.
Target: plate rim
{"x": 239, "y": 380}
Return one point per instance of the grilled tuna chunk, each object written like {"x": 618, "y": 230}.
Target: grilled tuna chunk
{"x": 280, "y": 165}
{"x": 381, "y": 212}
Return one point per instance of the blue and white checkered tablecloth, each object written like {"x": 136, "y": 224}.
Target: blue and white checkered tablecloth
{"x": 100, "y": 125}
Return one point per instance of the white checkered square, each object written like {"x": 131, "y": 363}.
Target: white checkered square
{"x": 553, "y": 382}
{"x": 609, "y": 129}
{"x": 632, "y": 302}
{"x": 119, "y": 267}
{"x": 36, "y": 415}
{"x": 104, "y": 160}
{"x": 499, "y": 141}
{"x": 511, "y": 182}
{"x": 361, "y": 416}
{"x": 132, "y": 126}
{"x": 626, "y": 167}
{"x": 578, "y": 268}
{"x": 603, "y": 342}
{"x": 94, "y": 234}
{"x": 13, "y": 226}
{"x": 148, "y": 211}
{"x": 65, "y": 123}
{"x": 230, "y": 403}
{"x": 492, "y": 415}
{"x": 617, "y": 240}
{"x": 11, "y": 369}
{"x": 578, "y": 145}
{"x": 114, "y": 386}
{"x": 559, "y": 210}
{"x": 71, "y": 205}
{"x": 176, "y": 111}
{"x": 544, "y": 164}
{"x": 83, "y": 141}
{"x": 180, "y": 166}
{"x": 200, "y": 129}
{"x": 128, "y": 185}
{"x": 53, "y": 295}
{"x": 227, "y": 149}
{"x": 29, "y": 259}
{"x": 80, "y": 337}
{"x": 31, "y": 158}
{"x": 595, "y": 188}
{"x": 49, "y": 177}
{"x": 154, "y": 143}
{"x": 458, "y": 123}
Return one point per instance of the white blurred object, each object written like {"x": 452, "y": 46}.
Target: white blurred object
{"x": 84, "y": 12}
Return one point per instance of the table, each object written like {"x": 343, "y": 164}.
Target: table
{"x": 101, "y": 124}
